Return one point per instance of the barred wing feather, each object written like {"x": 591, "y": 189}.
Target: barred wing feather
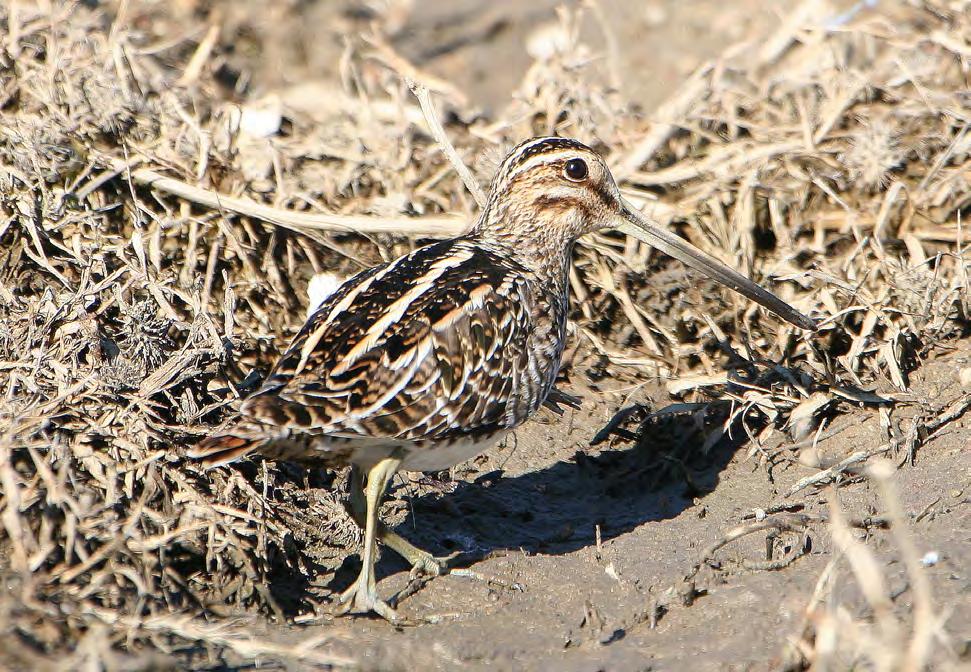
{"x": 431, "y": 346}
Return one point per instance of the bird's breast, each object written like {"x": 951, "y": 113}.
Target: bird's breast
{"x": 545, "y": 349}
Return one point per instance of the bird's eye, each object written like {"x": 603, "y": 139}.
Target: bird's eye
{"x": 576, "y": 170}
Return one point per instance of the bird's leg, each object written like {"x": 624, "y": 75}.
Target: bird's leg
{"x": 422, "y": 562}
{"x": 362, "y": 596}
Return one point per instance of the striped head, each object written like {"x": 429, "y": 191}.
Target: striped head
{"x": 547, "y": 193}
{"x": 550, "y": 191}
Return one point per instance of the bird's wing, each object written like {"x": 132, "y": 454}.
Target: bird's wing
{"x": 432, "y": 345}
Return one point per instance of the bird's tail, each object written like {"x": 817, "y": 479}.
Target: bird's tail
{"x": 223, "y": 448}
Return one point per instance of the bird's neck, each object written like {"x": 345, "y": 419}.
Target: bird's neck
{"x": 538, "y": 246}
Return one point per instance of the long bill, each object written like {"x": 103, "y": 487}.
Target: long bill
{"x": 634, "y": 223}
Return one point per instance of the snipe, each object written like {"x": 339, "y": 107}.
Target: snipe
{"x": 428, "y": 360}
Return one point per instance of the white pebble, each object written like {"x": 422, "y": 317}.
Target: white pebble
{"x": 965, "y": 377}
{"x": 262, "y": 119}
{"x": 611, "y": 571}
{"x": 930, "y": 558}
{"x": 547, "y": 41}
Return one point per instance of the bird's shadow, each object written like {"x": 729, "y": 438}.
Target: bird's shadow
{"x": 557, "y": 509}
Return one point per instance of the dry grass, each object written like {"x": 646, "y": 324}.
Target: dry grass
{"x": 834, "y": 638}
{"x": 156, "y": 237}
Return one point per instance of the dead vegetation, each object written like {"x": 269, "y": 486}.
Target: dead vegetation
{"x": 833, "y": 638}
{"x": 159, "y": 226}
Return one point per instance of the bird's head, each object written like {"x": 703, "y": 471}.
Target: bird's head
{"x": 550, "y": 191}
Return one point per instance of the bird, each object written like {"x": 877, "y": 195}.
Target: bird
{"x": 426, "y": 361}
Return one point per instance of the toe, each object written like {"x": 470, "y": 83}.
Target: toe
{"x": 384, "y": 610}
{"x": 429, "y": 565}
{"x": 363, "y": 599}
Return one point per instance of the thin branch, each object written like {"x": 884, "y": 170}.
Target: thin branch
{"x": 837, "y": 469}
{"x": 301, "y": 222}
{"x": 438, "y": 132}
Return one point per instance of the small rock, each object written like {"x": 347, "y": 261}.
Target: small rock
{"x": 547, "y": 41}
{"x": 262, "y": 119}
{"x": 611, "y": 571}
{"x": 655, "y": 14}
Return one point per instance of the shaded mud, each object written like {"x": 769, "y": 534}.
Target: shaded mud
{"x": 571, "y": 603}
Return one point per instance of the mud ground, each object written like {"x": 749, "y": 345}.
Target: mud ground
{"x": 570, "y": 603}
{"x": 534, "y": 507}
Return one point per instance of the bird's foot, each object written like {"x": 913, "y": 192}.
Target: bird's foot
{"x": 362, "y": 598}
{"x": 426, "y": 564}
{"x": 425, "y": 567}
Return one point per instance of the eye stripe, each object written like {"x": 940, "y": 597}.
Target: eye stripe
{"x": 534, "y": 147}
{"x": 529, "y": 149}
{"x": 546, "y": 158}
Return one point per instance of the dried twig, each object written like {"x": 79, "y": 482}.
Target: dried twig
{"x": 434, "y": 227}
{"x": 435, "y": 126}
{"x": 782, "y": 522}
{"x": 837, "y": 469}
{"x": 829, "y": 631}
